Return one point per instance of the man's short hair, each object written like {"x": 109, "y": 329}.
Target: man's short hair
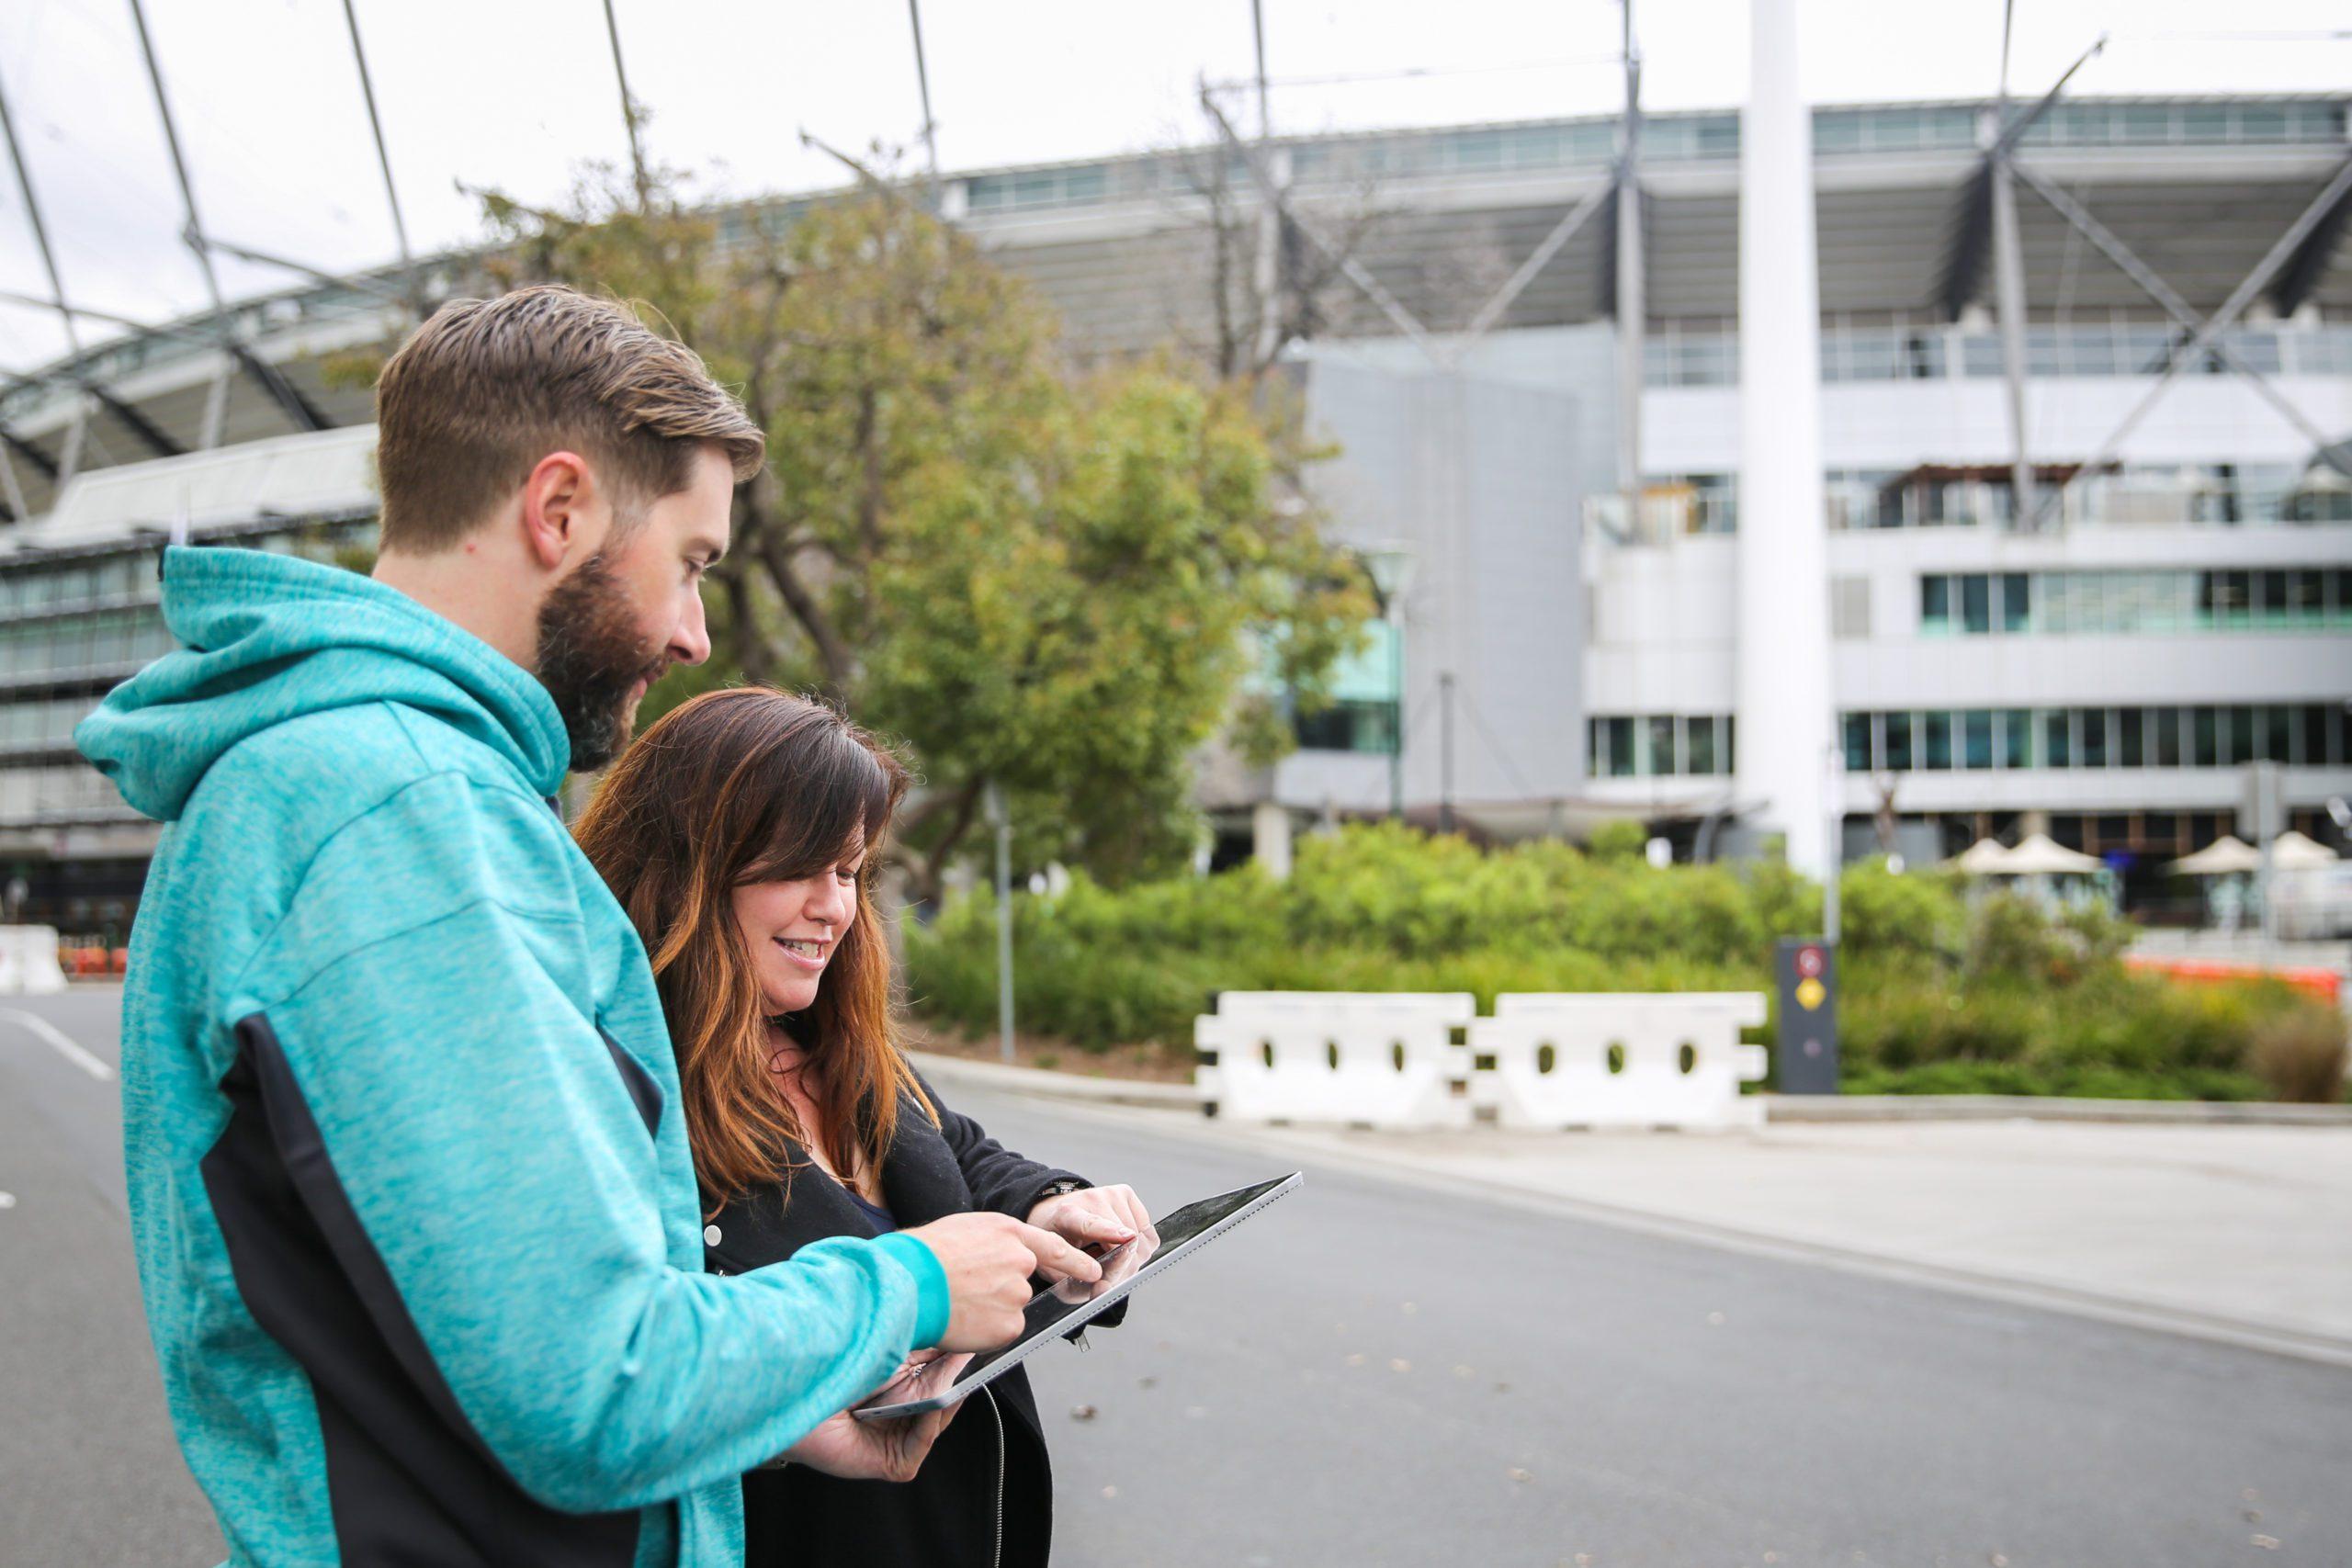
{"x": 487, "y": 388}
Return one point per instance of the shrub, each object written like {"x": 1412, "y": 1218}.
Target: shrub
{"x": 1620, "y": 841}
{"x": 2298, "y": 1052}
{"x": 1937, "y": 996}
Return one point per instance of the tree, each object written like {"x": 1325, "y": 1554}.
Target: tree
{"x": 1065, "y": 584}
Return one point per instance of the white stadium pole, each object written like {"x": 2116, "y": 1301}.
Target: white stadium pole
{"x": 1782, "y": 681}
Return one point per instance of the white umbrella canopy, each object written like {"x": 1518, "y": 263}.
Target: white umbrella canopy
{"x": 2225, "y": 856}
{"x": 2291, "y": 850}
{"x": 2042, "y": 856}
{"x": 1985, "y": 857}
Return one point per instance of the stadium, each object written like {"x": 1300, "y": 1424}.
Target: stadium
{"x": 2057, "y": 601}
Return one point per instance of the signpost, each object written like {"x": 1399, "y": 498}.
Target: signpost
{"x": 1805, "y": 972}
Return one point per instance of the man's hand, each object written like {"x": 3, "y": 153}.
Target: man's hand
{"x": 989, "y": 1259}
{"x": 1099, "y": 1216}
{"x": 883, "y": 1450}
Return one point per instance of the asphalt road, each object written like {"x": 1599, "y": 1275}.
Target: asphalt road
{"x": 1372, "y": 1373}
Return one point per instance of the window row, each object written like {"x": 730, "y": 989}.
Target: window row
{"x": 1939, "y": 741}
{"x": 1621, "y": 745}
{"x": 58, "y": 791}
{"x": 2121, "y": 603}
{"x": 1677, "y": 354}
{"x": 2222, "y": 494}
{"x": 107, "y": 639}
{"x": 129, "y": 575}
{"x": 42, "y": 723}
{"x": 1352, "y": 724}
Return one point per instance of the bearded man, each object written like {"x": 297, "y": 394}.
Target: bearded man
{"x": 418, "y": 1227}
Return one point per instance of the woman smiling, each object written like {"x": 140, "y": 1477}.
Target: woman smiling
{"x": 740, "y": 833}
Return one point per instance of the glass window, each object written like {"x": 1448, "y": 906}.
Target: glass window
{"x": 2093, "y": 725}
{"x": 2269, "y": 596}
{"x": 2015, "y": 739}
{"x": 1837, "y": 131}
{"x": 1934, "y": 740}
{"x": 1977, "y": 739}
{"x": 1895, "y": 741}
{"x": 2205, "y": 737}
{"x": 1935, "y": 605}
{"x": 2274, "y": 733}
{"x": 1662, "y": 761}
{"x": 2303, "y": 600}
{"x": 2238, "y": 738}
{"x": 2230, "y": 598}
{"x": 1857, "y": 734}
{"x": 2053, "y": 597}
{"x": 2205, "y": 122}
{"x": 1976, "y": 603}
{"x": 1731, "y": 743}
{"x": 1620, "y": 747}
{"x": 2090, "y": 602}
{"x": 2310, "y": 736}
{"x": 1699, "y": 744}
{"x": 2057, "y": 744}
{"x": 2166, "y": 725}
{"x": 2342, "y": 578}
{"x": 2130, "y": 739}
{"x": 2262, "y": 122}
{"x": 2016, "y": 601}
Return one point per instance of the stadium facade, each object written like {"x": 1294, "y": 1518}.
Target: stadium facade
{"x": 2089, "y": 630}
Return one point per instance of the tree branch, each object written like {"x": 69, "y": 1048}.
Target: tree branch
{"x": 832, "y": 653}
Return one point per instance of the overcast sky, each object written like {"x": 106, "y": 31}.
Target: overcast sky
{"x": 515, "y": 94}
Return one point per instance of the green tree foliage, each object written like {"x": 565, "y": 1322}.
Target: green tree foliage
{"x": 1066, "y": 583}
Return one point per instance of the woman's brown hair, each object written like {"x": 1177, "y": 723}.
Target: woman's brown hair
{"x": 739, "y": 786}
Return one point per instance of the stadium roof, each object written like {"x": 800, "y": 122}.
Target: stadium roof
{"x": 2200, "y": 187}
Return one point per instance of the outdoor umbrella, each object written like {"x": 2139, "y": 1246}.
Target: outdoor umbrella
{"x": 2225, "y": 856}
{"x": 1985, "y": 857}
{"x": 2292, "y": 852}
{"x": 2042, "y": 856}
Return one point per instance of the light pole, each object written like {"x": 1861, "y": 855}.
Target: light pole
{"x": 1390, "y": 567}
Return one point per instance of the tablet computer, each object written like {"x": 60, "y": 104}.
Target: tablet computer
{"x": 1068, "y": 1305}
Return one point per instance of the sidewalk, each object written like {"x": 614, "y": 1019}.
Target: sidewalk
{"x": 2237, "y": 1233}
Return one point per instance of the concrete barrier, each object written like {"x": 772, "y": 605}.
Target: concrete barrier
{"x": 1374, "y": 1059}
{"x": 29, "y": 963}
{"x": 1619, "y": 1060}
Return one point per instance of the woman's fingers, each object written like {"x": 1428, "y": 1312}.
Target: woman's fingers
{"x": 1133, "y": 1214}
{"x": 1056, "y": 1256}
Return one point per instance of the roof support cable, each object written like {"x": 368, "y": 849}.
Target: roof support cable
{"x": 2202, "y": 342}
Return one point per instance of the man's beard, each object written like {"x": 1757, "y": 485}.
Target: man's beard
{"x": 591, "y": 654}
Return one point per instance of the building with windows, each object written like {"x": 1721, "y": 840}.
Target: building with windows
{"x": 2086, "y": 558}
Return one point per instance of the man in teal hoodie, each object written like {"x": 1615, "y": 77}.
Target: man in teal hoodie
{"x": 417, "y": 1222}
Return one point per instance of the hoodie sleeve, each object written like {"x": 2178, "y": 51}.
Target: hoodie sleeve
{"x": 465, "y": 1137}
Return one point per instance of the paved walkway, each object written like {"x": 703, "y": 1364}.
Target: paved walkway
{"x": 2237, "y": 1233}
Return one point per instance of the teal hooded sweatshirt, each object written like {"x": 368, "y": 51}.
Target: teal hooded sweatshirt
{"x": 417, "y": 1226}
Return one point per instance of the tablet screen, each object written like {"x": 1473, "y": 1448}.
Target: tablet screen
{"x": 1067, "y": 1304}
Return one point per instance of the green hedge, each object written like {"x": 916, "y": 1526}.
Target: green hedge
{"x": 1937, "y": 997}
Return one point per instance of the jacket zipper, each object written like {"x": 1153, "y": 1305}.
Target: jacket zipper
{"x": 996, "y": 1559}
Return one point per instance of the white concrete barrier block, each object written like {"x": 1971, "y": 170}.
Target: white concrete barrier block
{"x": 29, "y": 963}
{"x": 1619, "y": 1060}
{"x": 1377, "y": 1059}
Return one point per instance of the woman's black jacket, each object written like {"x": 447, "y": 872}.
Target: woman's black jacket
{"x": 989, "y": 1469}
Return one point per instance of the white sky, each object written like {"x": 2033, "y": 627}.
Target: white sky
{"x": 513, "y": 94}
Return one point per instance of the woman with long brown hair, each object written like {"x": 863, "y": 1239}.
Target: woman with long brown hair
{"x": 741, "y": 833}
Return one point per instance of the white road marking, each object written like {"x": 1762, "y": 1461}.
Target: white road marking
{"x": 59, "y": 1041}
{"x": 7, "y": 1199}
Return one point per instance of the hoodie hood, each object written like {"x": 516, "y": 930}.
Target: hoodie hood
{"x": 266, "y": 638}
